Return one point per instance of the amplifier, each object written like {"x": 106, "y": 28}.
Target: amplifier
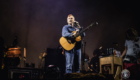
{"x": 24, "y": 73}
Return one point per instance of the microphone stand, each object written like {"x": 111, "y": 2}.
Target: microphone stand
{"x": 84, "y": 50}
{"x": 84, "y": 56}
{"x": 82, "y": 45}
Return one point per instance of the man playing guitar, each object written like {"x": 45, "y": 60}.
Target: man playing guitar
{"x": 69, "y": 31}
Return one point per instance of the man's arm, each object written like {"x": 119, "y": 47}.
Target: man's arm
{"x": 124, "y": 52}
{"x": 65, "y": 32}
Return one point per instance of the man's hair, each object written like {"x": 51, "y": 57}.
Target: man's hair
{"x": 70, "y": 15}
{"x": 131, "y": 34}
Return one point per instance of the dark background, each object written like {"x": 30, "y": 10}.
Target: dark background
{"x": 38, "y": 23}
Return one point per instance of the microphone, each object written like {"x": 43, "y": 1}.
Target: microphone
{"x": 76, "y": 24}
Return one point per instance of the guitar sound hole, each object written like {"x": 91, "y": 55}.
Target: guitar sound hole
{"x": 70, "y": 41}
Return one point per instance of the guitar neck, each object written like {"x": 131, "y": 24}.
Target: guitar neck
{"x": 93, "y": 24}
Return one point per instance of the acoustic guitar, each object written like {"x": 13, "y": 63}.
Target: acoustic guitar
{"x": 69, "y": 44}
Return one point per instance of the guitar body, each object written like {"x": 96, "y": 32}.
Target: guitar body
{"x": 66, "y": 44}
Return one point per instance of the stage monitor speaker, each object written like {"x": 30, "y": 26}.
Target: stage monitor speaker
{"x": 24, "y": 73}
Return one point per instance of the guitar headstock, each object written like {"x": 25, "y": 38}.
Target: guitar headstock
{"x": 94, "y": 24}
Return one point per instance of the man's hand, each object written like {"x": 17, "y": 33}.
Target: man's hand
{"x": 63, "y": 52}
{"x": 76, "y": 24}
{"x": 75, "y": 33}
